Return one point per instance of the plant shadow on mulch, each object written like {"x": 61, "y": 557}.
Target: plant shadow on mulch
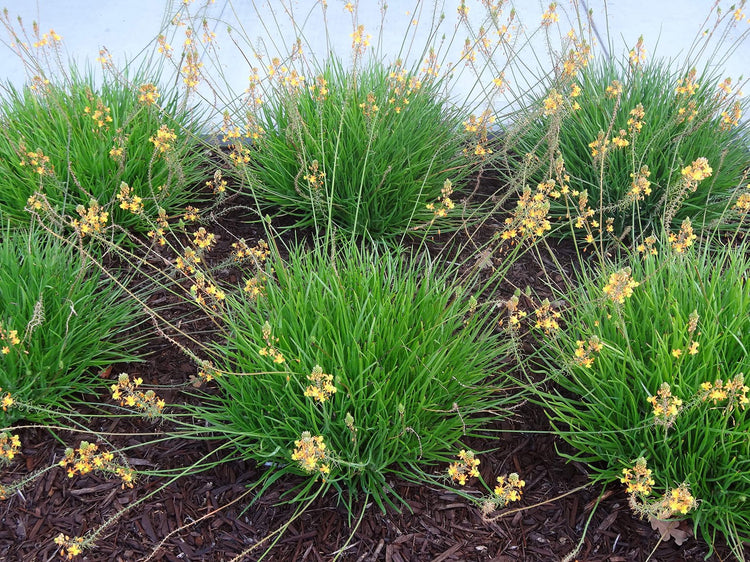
{"x": 207, "y": 516}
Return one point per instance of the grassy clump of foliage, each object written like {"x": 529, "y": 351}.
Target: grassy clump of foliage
{"x": 383, "y": 360}
{"x": 652, "y": 384}
{"x": 123, "y": 144}
{"x": 60, "y": 320}
{"x": 367, "y": 149}
{"x": 623, "y": 132}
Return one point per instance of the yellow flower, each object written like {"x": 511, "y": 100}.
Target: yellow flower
{"x": 322, "y": 387}
{"x": 666, "y": 407}
{"x": 311, "y": 453}
{"x": 638, "y": 479}
{"x": 508, "y": 489}
{"x": 620, "y": 286}
{"x": 680, "y": 499}
{"x": 550, "y": 15}
{"x": 466, "y": 466}
{"x": 698, "y": 170}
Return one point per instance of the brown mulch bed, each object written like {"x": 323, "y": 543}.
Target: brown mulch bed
{"x": 211, "y": 516}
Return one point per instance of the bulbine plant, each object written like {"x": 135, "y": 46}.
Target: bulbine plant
{"x": 650, "y": 386}
{"x": 616, "y": 136}
{"x": 366, "y": 150}
{"x": 77, "y": 138}
{"x": 351, "y": 365}
{"x": 51, "y": 346}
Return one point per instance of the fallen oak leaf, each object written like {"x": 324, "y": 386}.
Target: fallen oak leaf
{"x": 671, "y": 529}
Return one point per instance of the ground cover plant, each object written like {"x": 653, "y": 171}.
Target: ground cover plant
{"x": 358, "y": 364}
{"x": 402, "y": 139}
{"x": 51, "y": 348}
{"x": 124, "y": 141}
{"x": 616, "y": 135}
{"x": 651, "y": 387}
{"x": 311, "y": 391}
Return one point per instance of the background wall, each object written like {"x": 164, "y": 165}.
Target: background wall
{"x": 126, "y": 27}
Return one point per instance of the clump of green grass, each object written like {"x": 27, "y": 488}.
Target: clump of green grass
{"x": 623, "y": 133}
{"x": 75, "y": 141}
{"x": 353, "y": 366}
{"x": 367, "y": 150}
{"x": 60, "y": 321}
{"x": 651, "y": 383}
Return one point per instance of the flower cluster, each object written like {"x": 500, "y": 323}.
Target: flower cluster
{"x": 258, "y": 253}
{"x": 187, "y": 262}
{"x": 637, "y": 55}
{"x": 87, "y": 458}
{"x": 163, "y": 139}
{"x": 731, "y": 118}
{"x": 204, "y": 291}
{"x": 7, "y": 401}
{"x": 117, "y": 152}
{"x": 684, "y": 239}
{"x": 546, "y": 318}
{"x": 360, "y": 40}
{"x": 552, "y": 103}
{"x": 638, "y": 479}
{"x": 515, "y": 314}
{"x": 191, "y": 70}
{"x": 10, "y": 445}
{"x": 100, "y": 115}
{"x": 126, "y": 391}
{"x": 310, "y": 452}
{"x": 464, "y": 467}
{"x": 203, "y": 239}
{"x": 639, "y": 485}
{"x": 666, "y": 406}
{"x": 508, "y": 489}
{"x": 217, "y": 185}
{"x": 45, "y": 38}
{"x": 322, "y": 387}
{"x": 148, "y": 94}
{"x": 319, "y": 89}
{"x": 315, "y": 176}
{"x": 36, "y": 160}
{"x": 687, "y": 86}
{"x": 157, "y": 234}
{"x": 93, "y": 220}
{"x": 400, "y": 88}
{"x": 531, "y": 216}
{"x": 255, "y": 286}
{"x": 648, "y": 246}
{"x": 635, "y": 122}
{"x": 620, "y": 286}
{"x": 8, "y": 338}
{"x": 640, "y": 187}
{"x": 697, "y": 171}
{"x": 734, "y": 391}
{"x": 192, "y": 214}
{"x": 584, "y": 353}
{"x": 550, "y": 15}
{"x": 742, "y": 205}
{"x": 600, "y": 146}
{"x": 129, "y": 201}
{"x": 444, "y": 204}
{"x": 577, "y": 57}
{"x": 479, "y": 127}
{"x": 69, "y": 548}
{"x": 614, "y": 90}
{"x": 369, "y": 107}
{"x": 269, "y": 350}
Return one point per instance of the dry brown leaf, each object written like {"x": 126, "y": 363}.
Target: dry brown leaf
{"x": 672, "y": 529}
